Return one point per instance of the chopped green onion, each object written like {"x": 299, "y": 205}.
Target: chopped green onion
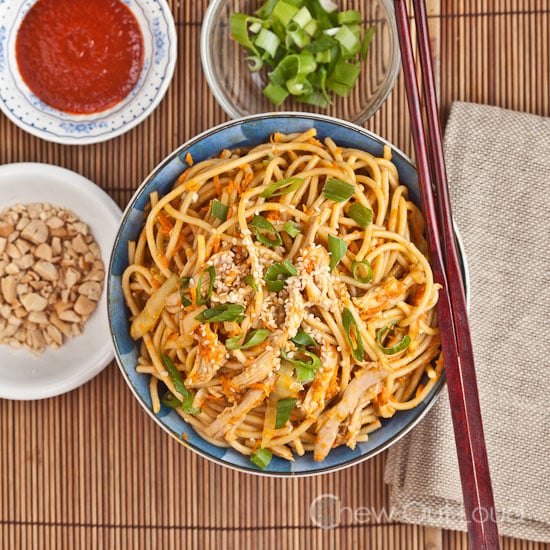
{"x": 261, "y": 458}
{"x": 338, "y": 190}
{"x": 348, "y": 17}
{"x": 183, "y": 287}
{"x": 303, "y": 339}
{"x": 259, "y": 222}
{"x": 290, "y": 37}
{"x": 277, "y": 274}
{"x": 219, "y": 210}
{"x": 170, "y": 400}
{"x": 268, "y": 41}
{"x": 250, "y": 281}
{"x": 291, "y": 228}
{"x": 357, "y": 267}
{"x": 337, "y": 249}
{"x": 284, "y": 410}
{"x": 400, "y": 346}
{"x": 284, "y": 12}
{"x": 360, "y": 214}
{"x": 177, "y": 380}
{"x": 367, "y": 39}
{"x": 212, "y": 275}
{"x": 314, "y": 362}
{"x": 305, "y": 374}
{"x": 281, "y": 187}
{"x": 253, "y": 338}
{"x": 349, "y": 322}
{"x": 221, "y": 313}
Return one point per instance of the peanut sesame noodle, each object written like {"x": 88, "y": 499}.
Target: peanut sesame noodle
{"x": 288, "y": 286}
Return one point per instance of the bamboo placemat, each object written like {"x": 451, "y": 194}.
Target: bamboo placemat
{"x": 90, "y": 469}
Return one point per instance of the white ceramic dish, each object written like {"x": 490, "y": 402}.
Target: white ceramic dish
{"x": 22, "y": 374}
{"x": 23, "y": 108}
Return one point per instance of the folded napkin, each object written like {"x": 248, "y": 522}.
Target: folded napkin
{"x": 498, "y": 165}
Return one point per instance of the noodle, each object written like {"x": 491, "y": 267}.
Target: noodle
{"x": 284, "y": 299}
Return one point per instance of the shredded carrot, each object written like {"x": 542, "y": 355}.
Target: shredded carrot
{"x": 276, "y": 137}
{"x": 313, "y": 141}
{"x": 218, "y": 186}
{"x": 273, "y": 215}
{"x": 182, "y": 177}
{"x": 419, "y": 389}
{"x": 163, "y": 260}
{"x": 216, "y": 244}
{"x": 192, "y": 186}
{"x": 166, "y": 224}
{"x": 189, "y": 159}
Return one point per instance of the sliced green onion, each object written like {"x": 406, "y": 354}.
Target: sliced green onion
{"x": 201, "y": 300}
{"x": 348, "y": 40}
{"x": 284, "y": 12}
{"x": 302, "y": 17}
{"x": 177, "y": 380}
{"x": 337, "y": 249}
{"x": 183, "y": 287}
{"x": 314, "y": 362}
{"x": 250, "y": 281}
{"x": 303, "y": 339}
{"x": 277, "y": 274}
{"x": 259, "y": 222}
{"x": 255, "y": 63}
{"x": 367, "y": 39}
{"x": 221, "y": 313}
{"x": 365, "y": 267}
{"x": 400, "y": 346}
{"x": 348, "y": 17}
{"x": 311, "y": 27}
{"x": 170, "y": 400}
{"x": 350, "y": 324}
{"x": 296, "y": 36}
{"x": 305, "y": 374}
{"x": 360, "y": 214}
{"x": 253, "y": 338}
{"x": 338, "y": 190}
{"x": 275, "y": 93}
{"x": 291, "y": 228}
{"x": 284, "y": 410}
{"x": 268, "y": 41}
{"x": 238, "y": 26}
{"x": 261, "y": 458}
{"x": 219, "y": 210}
{"x": 281, "y": 187}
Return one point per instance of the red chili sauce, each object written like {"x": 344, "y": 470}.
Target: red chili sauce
{"x": 80, "y": 56}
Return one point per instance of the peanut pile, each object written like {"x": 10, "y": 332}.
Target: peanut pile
{"x": 51, "y": 276}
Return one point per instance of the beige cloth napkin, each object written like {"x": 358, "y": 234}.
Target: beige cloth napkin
{"x": 498, "y": 165}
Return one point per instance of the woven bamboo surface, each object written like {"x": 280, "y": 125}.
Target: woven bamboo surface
{"x": 90, "y": 469}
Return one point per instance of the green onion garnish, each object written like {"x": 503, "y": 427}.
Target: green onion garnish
{"x": 361, "y": 266}
{"x": 291, "y": 228}
{"x": 304, "y": 374}
{"x": 360, "y": 214}
{"x": 170, "y": 400}
{"x": 219, "y": 210}
{"x": 338, "y": 190}
{"x": 281, "y": 187}
{"x": 221, "y": 313}
{"x": 201, "y": 300}
{"x": 250, "y": 281}
{"x": 175, "y": 375}
{"x": 303, "y": 339}
{"x": 253, "y": 338}
{"x": 284, "y": 410}
{"x": 311, "y": 362}
{"x": 277, "y": 274}
{"x": 350, "y": 324}
{"x": 400, "y": 346}
{"x": 337, "y": 249}
{"x": 260, "y": 223}
{"x": 183, "y": 287}
{"x": 299, "y": 40}
{"x": 261, "y": 458}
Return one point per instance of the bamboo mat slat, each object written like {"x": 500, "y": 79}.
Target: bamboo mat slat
{"x": 90, "y": 469}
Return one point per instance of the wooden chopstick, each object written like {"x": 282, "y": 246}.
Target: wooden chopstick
{"x": 452, "y": 309}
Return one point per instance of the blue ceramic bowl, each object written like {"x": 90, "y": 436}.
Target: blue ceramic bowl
{"x": 245, "y": 132}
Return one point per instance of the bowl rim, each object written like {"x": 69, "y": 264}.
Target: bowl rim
{"x": 68, "y": 128}
{"x": 352, "y": 461}
{"x": 221, "y": 97}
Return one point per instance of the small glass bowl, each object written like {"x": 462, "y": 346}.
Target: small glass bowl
{"x": 239, "y": 91}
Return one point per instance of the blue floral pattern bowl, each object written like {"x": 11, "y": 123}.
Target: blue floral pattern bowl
{"x": 23, "y": 108}
{"x": 244, "y": 132}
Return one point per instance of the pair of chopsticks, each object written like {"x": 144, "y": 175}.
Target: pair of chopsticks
{"x": 452, "y": 310}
